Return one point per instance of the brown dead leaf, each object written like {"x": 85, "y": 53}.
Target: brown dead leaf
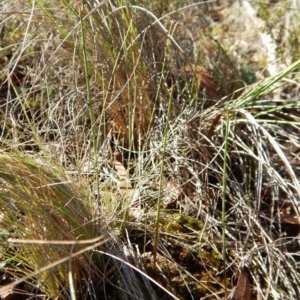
{"x": 213, "y": 126}
{"x": 125, "y": 185}
{"x": 242, "y": 289}
{"x": 203, "y": 79}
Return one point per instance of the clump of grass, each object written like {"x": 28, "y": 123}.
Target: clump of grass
{"x": 46, "y": 219}
{"x": 55, "y": 238}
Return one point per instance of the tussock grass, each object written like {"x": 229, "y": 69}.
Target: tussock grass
{"x": 37, "y": 207}
{"x": 51, "y": 234}
{"x": 113, "y": 161}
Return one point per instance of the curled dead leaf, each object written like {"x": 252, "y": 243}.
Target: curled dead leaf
{"x": 242, "y": 290}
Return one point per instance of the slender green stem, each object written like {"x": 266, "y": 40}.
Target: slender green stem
{"x": 88, "y": 88}
{"x": 224, "y": 197}
{"x": 87, "y": 79}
